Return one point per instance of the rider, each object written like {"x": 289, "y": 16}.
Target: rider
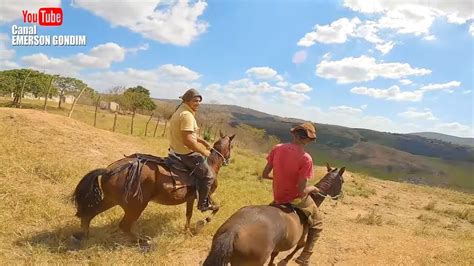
{"x": 292, "y": 167}
{"x": 184, "y": 144}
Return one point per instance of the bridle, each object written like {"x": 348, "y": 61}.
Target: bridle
{"x": 226, "y": 160}
{"x": 338, "y": 196}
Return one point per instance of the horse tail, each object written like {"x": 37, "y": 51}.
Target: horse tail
{"x": 88, "y": 193}
{"x": 222, "y": 249}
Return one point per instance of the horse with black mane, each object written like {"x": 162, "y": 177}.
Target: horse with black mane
{"x": 137, "y": 179}
{"x": 255, "y": 233}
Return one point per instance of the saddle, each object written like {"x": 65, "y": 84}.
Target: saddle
{"x": 179, "y": 173}
{"x": 289, "y": 208}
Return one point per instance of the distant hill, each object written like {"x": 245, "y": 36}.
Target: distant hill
{"x": 447, "y": 138}
{"x": 401, "y": 157}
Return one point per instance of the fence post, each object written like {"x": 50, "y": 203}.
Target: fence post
{"x": 115, "y": 122}
{"x": 146, "y": 127}
{"x": 156, "y": 127}
{"x": 47, "y": 93}
{"x": 164, "y": 130}
{"x": 95, "y": 114}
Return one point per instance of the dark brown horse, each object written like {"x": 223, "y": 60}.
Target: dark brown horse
{"x": 255, "y": 233}
{"x": 132, "y": 185}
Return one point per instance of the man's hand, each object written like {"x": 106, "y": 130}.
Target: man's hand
{"x": 310, "y": 189}
{"x": 266, "y": 172}
{"x": 207, "y": 153}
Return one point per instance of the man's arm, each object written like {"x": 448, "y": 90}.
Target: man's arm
{"x": 204, "y": 142}
{"x": 193, "y": 144}
{"x": 266, "y": 172}
{"x": 305, "y": 190}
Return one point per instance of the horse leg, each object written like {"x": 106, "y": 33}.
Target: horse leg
{"x": 86, "y": 220}
{"x": 290, "y": 256}
{"x": 130, "y": 217}
{"x": 201, "y": 223}
{"x": 189, "y": 214}
{"x": 272, "y": 258}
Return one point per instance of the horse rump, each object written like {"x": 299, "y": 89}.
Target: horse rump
{"x": 88, "y": 193}
{"x": 221, "y": 250}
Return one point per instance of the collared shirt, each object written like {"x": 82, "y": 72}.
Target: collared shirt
{"x": 290, "y": 163}
{"x": 182, "y": 120}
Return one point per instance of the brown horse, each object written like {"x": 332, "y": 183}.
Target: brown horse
{"x": 255, "y": 233}
{"x": 132, "y": 185}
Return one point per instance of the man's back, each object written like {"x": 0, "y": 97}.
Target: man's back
{"x": 290, "y": 162}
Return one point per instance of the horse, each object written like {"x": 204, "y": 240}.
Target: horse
{"x": 134, "y": 181}
{"x": 255, "y": 233}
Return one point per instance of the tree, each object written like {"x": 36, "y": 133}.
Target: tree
{"x": 137, "y": 98}
{"x": 21, "y": 81}
{"x": 67, "y": 86}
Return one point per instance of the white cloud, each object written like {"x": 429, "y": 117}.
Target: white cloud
{"x": 416, "y": 115}
{"x": 454, "y": 127}
{"x": 443, "y": 86}
{"x": 142, "y": 47}
{"x": 101, "y": 56}
{"x": 405, "y": 81}
{"x": 299, "y": 57}
{"x": 414, "y": 17}
{"x": 249, "y": 87}
{"x": 466, "y": 92}
{"x": 301, "y": 87}
{"x": 385, "y": 47}
{"x": 51, "y": 65}
{"x": 345, "y": 109}
{"x": 166, "y": 81}
{"x": 342, "y": 29}
{"x": 337, "y": 32}
{"x": 429, "y": 38}
{"x": 213, "y": 87}
{"x": 282, "y": 84}
{"x": 363, "y": 107}
{"x": 174, "y": 22}
{"x": 262, "y": 72}
{"x": 292, "y": 97}
{"x": 6, "y": 54}
{"x": 393, "y": 93}
{"x": 11, "y": 10}
{"x": 471, "y": 29}
{"x": 365, "y": 68}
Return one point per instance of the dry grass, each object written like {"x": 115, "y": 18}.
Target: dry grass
{"x": 43, "y": 156}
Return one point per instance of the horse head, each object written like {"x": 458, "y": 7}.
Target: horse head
{"x": 222, "y": 147}
{"x": 331, "y": 183}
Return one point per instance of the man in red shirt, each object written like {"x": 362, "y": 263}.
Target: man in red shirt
{"x": 292, "y": 167}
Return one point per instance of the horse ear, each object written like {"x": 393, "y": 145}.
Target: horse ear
{"x": 232, "y": 137}
{"x": 342, "y": 171}
{"x": 328, "y": 167}
{"x": 221, "y": 134}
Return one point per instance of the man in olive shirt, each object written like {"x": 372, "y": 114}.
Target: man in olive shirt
{"x": 184, "y": 143}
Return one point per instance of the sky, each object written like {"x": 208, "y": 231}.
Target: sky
{"x": 393, "y": 66}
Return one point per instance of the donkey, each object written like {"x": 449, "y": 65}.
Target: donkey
{"x": 134, "y": 181}
{"x": 255, "y": 233}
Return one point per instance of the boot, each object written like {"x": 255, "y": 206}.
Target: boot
{"x": 303, "y": 259}
{"x": 204, "y": 204}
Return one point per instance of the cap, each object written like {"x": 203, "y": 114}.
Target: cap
{"x": 307, "y": 127}
{"x": 190, "y": 94}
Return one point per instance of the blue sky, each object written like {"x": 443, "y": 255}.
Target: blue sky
{"x": 396, "y": 66}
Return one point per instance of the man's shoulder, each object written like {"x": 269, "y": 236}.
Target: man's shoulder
{"x": 186, "y": 114}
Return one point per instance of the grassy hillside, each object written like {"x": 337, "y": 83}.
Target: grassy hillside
{"x": 400, "y": 157}
{"x": 447, "y": 138}
{"x": 44, "y": 155}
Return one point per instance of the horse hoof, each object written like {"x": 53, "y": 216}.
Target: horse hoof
{"x": 145, "y": 244}
{"x": 199, "y": 226}
{"x": 75, "y": 242}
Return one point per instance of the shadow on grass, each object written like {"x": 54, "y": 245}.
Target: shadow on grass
{"x": 107, "y": 236}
